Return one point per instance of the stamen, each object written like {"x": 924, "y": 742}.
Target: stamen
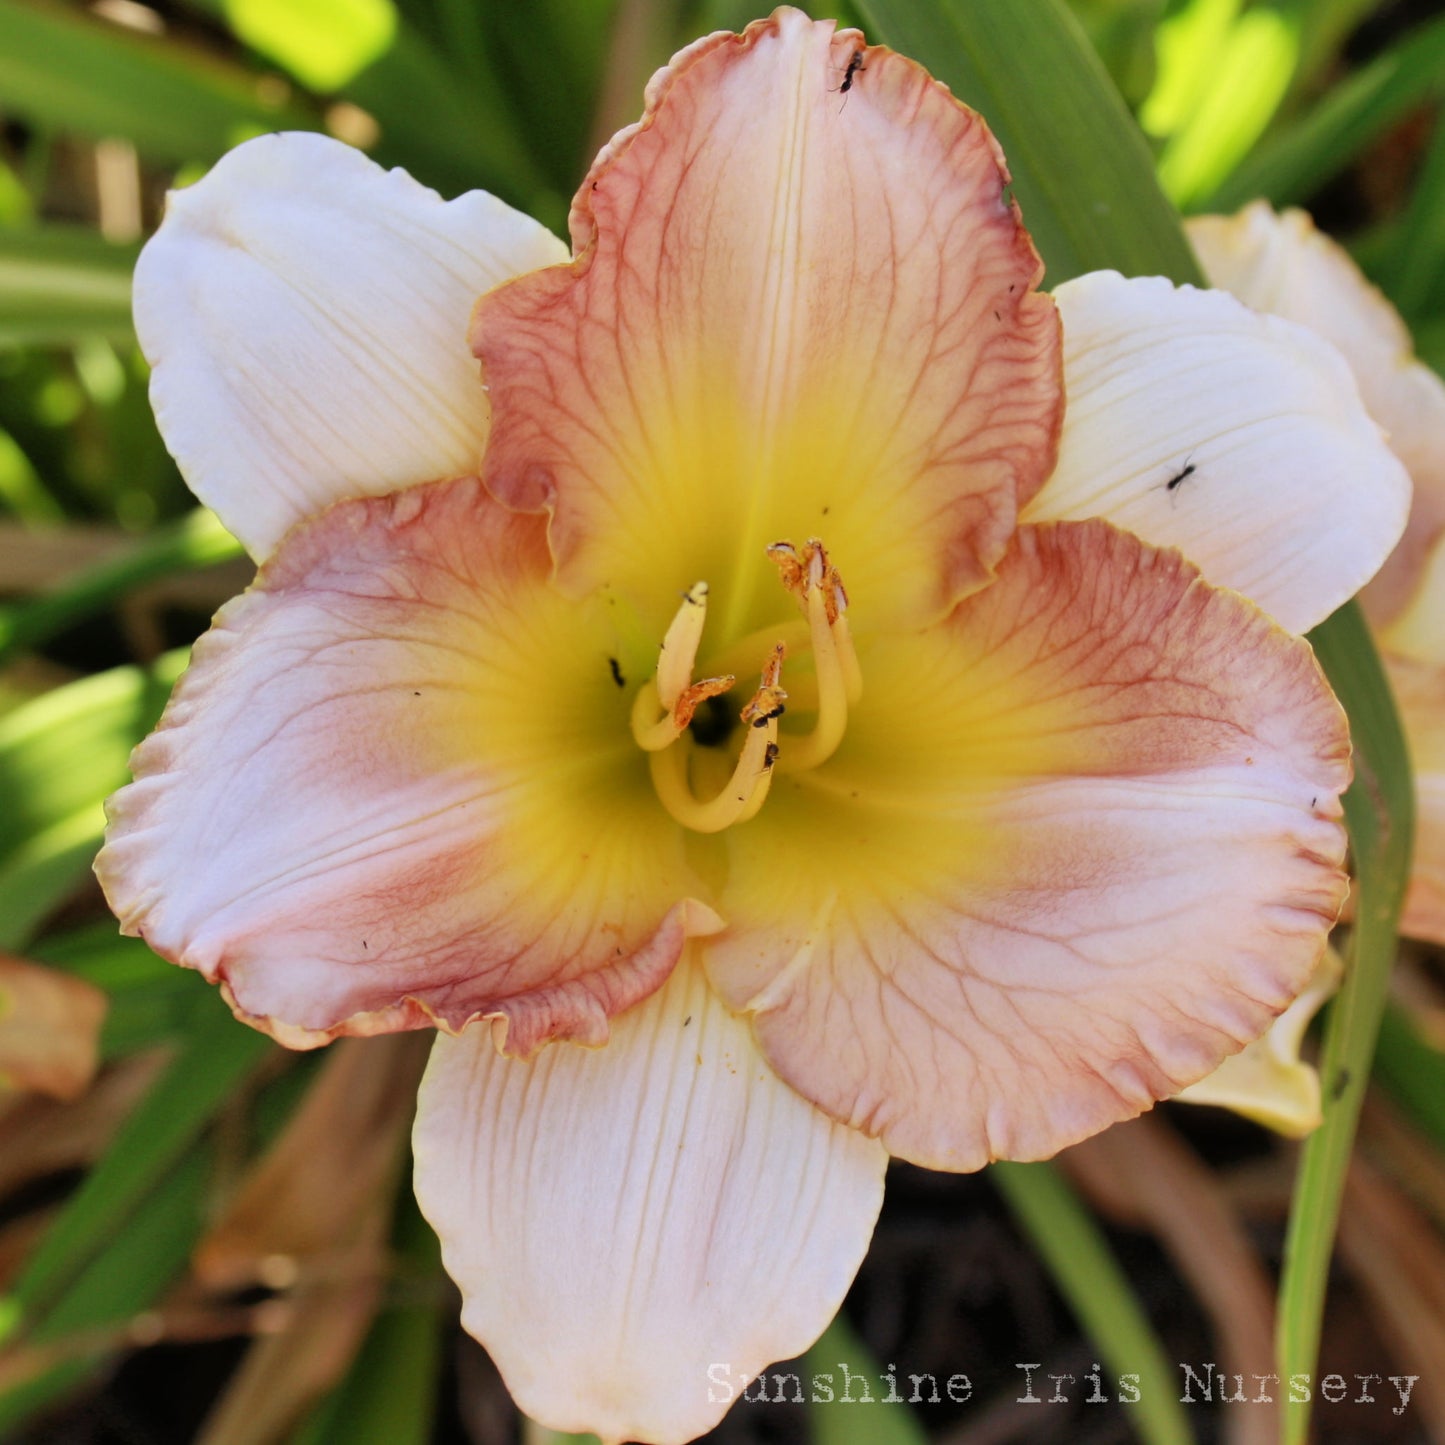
{"x": 813, "y": 579}
{"x": 672, "y": 687}
{"x": 679, "y": 645}
{"x": 745, "y": 792}
{"x": 665, "y": 705}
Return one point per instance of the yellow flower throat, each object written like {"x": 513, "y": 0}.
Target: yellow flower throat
{"x": 665, "y": 705}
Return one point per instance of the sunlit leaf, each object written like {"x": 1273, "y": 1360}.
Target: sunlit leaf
{"x": 1247, "y": 81}
{"x": 323, "y": 43}
{"x": 1299, "y": 158}
{"x": 21, "y": 489}
{"x": 1189, "y": 45}
{"x": 1083, "y": 173}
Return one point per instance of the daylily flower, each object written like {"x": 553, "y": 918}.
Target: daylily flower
{"x": 1283, "y": 265}
{"x": 1010, "y": 825}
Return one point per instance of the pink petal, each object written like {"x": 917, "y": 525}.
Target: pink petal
{"x": 396, "y": 786}
{"x": 638, "y": 1230}
{"x": 795, "y": 309}
{"x": 1081, "y": 842}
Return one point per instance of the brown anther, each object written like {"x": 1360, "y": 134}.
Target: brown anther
{"x": 691, "y": 698}
{"x": 792, "y": 569}
{"x": 767, "y": 702}
{"x": 809, "y": 570}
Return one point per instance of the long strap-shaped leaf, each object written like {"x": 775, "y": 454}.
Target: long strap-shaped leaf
{"x": 1086, "y": 184}
{"x": 1380, "y": 811}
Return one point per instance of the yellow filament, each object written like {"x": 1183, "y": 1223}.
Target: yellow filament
{"x": 679, "y": 645}
{"x": 650, "y": 731}
{"x": 848, "y": 661}
{"x": 738, "y": 799}
{"x": 662, "y": 692}
{"x": 832, "y": 668}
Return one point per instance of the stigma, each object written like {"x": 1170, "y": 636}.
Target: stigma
{"x": 665, "y": 705}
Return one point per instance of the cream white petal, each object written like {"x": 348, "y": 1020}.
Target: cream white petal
{"x": 305, "y": 313}
{"x": 638, "y": 1229}
{"x": 1281, "y": 264}
{"x": 1241, "y": 439}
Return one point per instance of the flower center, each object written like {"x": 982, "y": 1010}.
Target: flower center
{"x": 667, "y": 725}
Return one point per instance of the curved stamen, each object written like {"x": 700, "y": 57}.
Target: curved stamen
{"x": 812, "y": 578}
{"x": 747, "y": 789}
{"x": 672, "y": 688}
{"x": 679, "y": 645}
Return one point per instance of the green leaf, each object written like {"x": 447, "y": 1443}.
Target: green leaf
{"x": 1325, "y": 25}
{"x": 1413, "y": 1072}
{"x": 1066, "y": 1237}
{"x": 1380, "y": 812}
{"x": 551, "y": 57}
{"x": 64, "y": 69}
{"x": 464, "y": 136}
{"x": 389, "y": 1395}
{"x": 323, "y": 43}
{"x": 58, "y": 283}
{"x": 1188, "y": 45}
{"x": 1247, "y": 82}
{"x": 1083, "y": 173}
{"x": 1417, "y": 261}
{"x": 216, "y": 1055}
{"x": 150, "y": 1001}
{"x": 16, "y": 206}
{"x": 21, "y": 488}
{"x": 840, "y": 1423}
{"x": 148, "y": 1251}
{"x": 196, "y": 540}
{"x": 1301, "y": 157}
{"x": 60, "y": 757}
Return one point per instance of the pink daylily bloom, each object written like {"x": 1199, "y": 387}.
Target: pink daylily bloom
{"x": 1011, "y": 824}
